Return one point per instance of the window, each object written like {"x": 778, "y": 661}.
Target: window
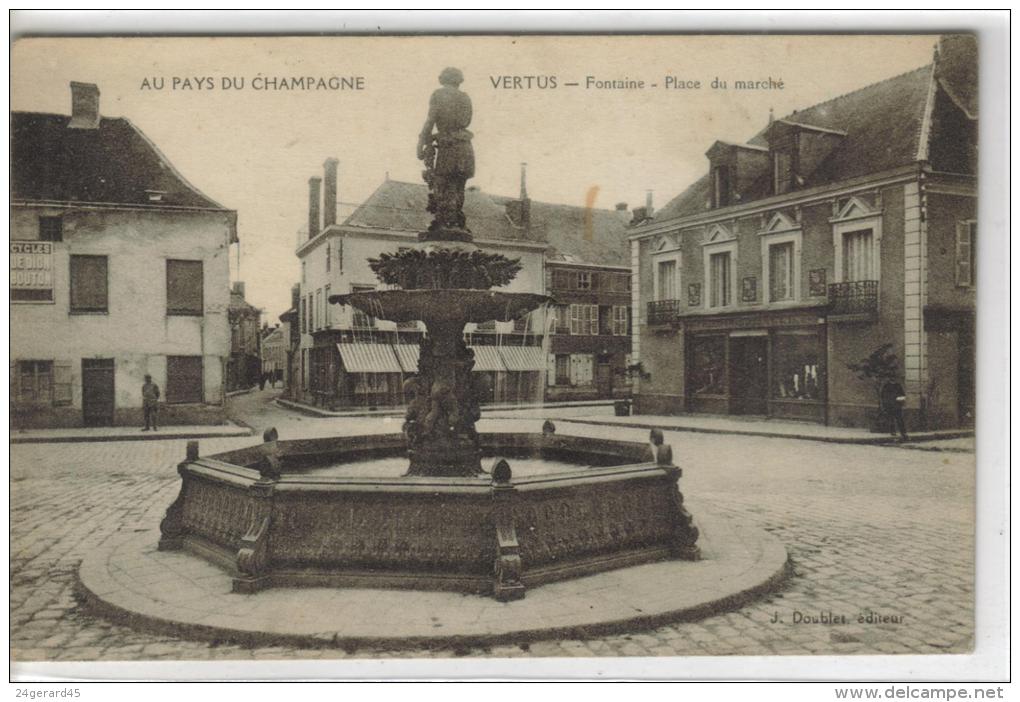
{"x": 51, "y": 229}
{"x": 584, "y": 280}
{"x": 584, "y": 319}
{"x": 33, "y": 382}
{"x": 562, "y": 369}
{"x": 304, "y": 316}
{"x": 782, "y": 172}
{"x": 311, "y": 312}
{"x": 666, "y": 281}
{"x": 721, "y": 186}
{"x": 319, "y": 316}
{"x": 183, "y": 379}
{"x": 720, "y": 279}
{"x": 184, "y": 287}
{"x": 966, "y": 253}
{"x": 858, "y": 256}
{"x": 359, "y": 318}
{"x": 89, "y": 284}
{"x": 795, "y": 369}
{"x": 781, "y": 272}
{"x": 708, "y": 361}
{"x": 522, "y": 325}
{"x": 329, "y": 257}
{"x": 582, "y": 367}
{"x": 621, "y": 320}
{"x": 328, "y": 312}
{"x": 562, "y": 324}
{"x": 340, "y": 256}
{"x": 303, "y": 271}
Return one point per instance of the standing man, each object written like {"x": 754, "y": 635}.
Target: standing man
{"x": 150, "y": 402}
{"x": 893, "y": 400}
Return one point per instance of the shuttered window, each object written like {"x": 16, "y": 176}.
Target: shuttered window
{"x": 184, "y": 287}
{"x": 584, "y": 319}
{"x": 966, "y": 238}
{"x": 183, "y": 379}
{"x": 89, "y": 284}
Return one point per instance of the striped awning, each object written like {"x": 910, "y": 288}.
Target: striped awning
{"x": 407, "y": 356}
{"x": 369, "y": 358}
{"x": 523, "y": 358}
{"x": 487, "y": 358}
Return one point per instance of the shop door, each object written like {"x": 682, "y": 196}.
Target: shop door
{"x": 604, "y": 379}
{"x": 749, "y": 375}
{"x": 97, "y": 391}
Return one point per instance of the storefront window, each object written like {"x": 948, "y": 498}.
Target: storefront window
{"x": 795, "y": 372}
{"x": 708, "y": 365}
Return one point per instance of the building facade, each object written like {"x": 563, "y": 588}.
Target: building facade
{"x": 275, "y": 347}
{"x": 836, "y": 230}
{"x": 119, "y": 269}
{"x": 244, "y": 368}
{"x": 589, "y": 331}
{"x": 349, "y": 359}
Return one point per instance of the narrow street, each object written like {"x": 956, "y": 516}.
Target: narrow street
{"x": 870, "y": 530}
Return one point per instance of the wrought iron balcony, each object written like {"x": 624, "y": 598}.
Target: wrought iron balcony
{"x": 857, "y": 299}
{"x": 662, "y": 312}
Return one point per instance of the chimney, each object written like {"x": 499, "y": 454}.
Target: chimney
{"x": 314, "y": 191}
{"x": 649, "y": 210}
{"x": 84, "y": 106}
{"x": 239, "y": 288}
{"x": 329, "y": 194}
{"x": 524, "y": 181}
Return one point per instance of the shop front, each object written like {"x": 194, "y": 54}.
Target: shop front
{"x": 768, "y": 364}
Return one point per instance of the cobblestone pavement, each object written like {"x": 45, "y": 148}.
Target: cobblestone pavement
{"x": 877, "y": 530}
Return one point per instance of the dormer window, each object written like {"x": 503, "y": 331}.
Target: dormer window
{"x": 782, "y": 172}
{"x": 721, "y": 186}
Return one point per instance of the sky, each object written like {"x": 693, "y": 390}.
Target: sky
{"x": 253, "y": 149}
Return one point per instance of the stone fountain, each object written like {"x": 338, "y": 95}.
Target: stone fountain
{"x": 271, "y": 517}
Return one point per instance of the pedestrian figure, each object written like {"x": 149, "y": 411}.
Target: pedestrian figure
{"x": 262, "y": 381}
{"x": 150, "y": 403}
{"x": 893, "y": 400}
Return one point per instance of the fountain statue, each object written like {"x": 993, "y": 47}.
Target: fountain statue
{"x": 301, "y": 512}
{"x": 445, "y": 285}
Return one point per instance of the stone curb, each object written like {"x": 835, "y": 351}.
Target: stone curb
{"x": 138, "y": 436}
{"x": 134, "y": 609}
{"x": 867, "y": 441}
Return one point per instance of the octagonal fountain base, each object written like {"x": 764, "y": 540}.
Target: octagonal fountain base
{"x": 315, "y": 524}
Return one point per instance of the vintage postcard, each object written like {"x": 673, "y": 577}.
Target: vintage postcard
{"x": 493, "y": 347}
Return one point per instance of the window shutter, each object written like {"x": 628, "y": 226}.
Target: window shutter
{"x": 550, "y": 369}
{"x": 963, "y": 255}
{"x": 575, "y": 319}
{"x": 15, "y": 386}
{"x": 61, "y": 383}
{"x": 593, "y": 323}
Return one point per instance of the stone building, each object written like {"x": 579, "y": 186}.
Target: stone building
{"x": 347, "y": 358}
{"x": 275, "y": 345}
{"x": 836, "y": 229}
{"x": 119, "y": 268}
{"x": 245, "y": 365}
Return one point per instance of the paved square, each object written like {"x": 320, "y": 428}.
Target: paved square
{"x": 881, "y": 538}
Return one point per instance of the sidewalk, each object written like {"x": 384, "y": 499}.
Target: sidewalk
{"x": 400, "y": 411}
{"x": 762, "y": 427}
{"x": 45, "y": 436}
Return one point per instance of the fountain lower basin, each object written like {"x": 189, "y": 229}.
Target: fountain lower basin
{"x": 606, "y": 505}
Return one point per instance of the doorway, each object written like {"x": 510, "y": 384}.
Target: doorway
{"x": 604, "y": 377}
{"x": 97, "y": 391}
{"x": 749, "y": 370}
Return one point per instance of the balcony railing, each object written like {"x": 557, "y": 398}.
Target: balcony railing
{"x": 663, "y": 312}
{"x": 857, "y": 298}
